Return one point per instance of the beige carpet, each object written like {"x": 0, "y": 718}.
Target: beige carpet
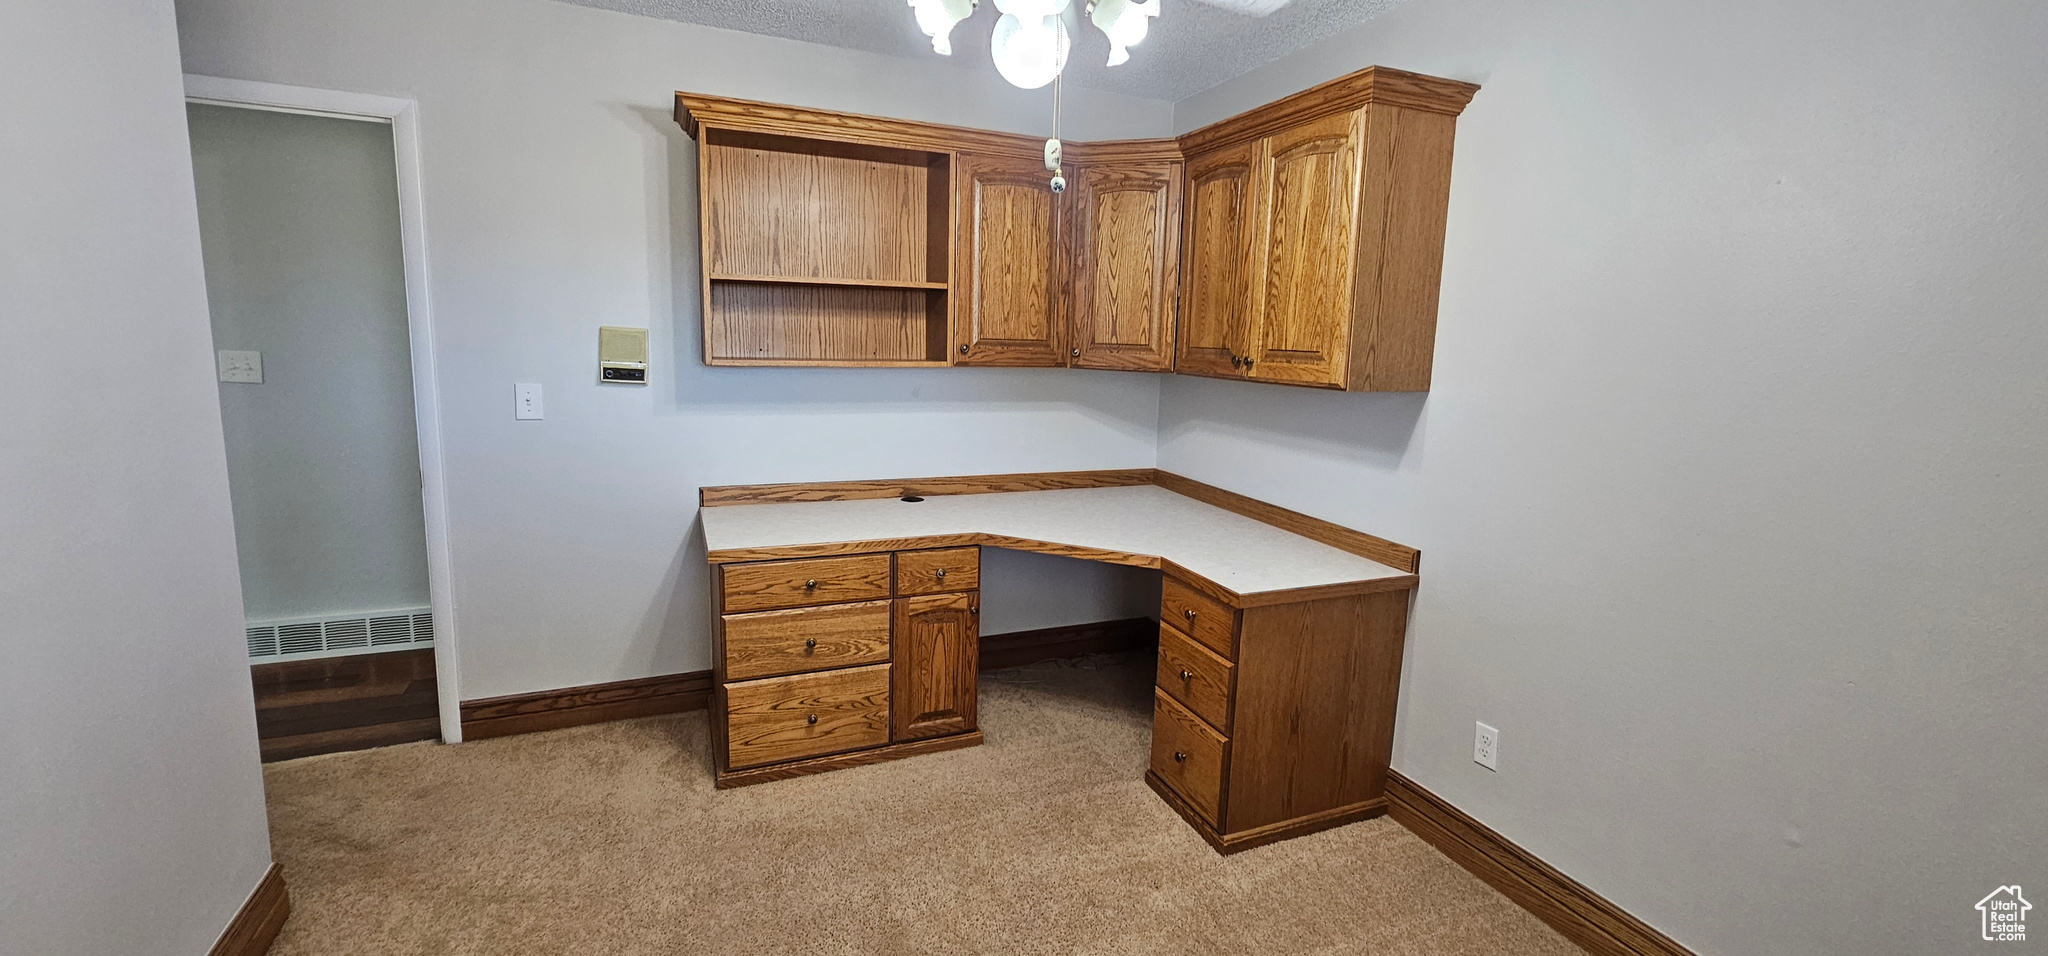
{"x": 609, "y": 839}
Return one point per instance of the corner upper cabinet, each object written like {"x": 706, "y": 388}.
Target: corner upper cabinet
{"x": 1345, "y": 188}
{"x": 1009, "y": 264}
{"x": 1125, "y": 240}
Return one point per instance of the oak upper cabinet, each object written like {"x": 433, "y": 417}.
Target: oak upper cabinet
{"x": 1215, "y": 310}
{"x": 1125, "y": 264}
{"x": 1307, "y": 183}
{"x": 937, "y": 656}
{"x": 1345, "y": 188}
{"x": 1008, "y": 270}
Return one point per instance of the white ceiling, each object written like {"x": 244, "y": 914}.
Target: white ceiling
{"x": 1192, "y": 46}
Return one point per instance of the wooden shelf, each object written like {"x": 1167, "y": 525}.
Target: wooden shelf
{"x": 824, "y": 280}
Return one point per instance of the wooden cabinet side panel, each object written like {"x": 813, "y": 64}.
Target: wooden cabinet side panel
{"x": 937, "y": 661}
{"x": 1219, "y": 217}
{"x": 1308, "y": 193}
{"x": 1313, "y": 723}
{"x": 1125, "y": 266}
{"x": 1404, "y": 201}
{"x": 1004, "y": 279}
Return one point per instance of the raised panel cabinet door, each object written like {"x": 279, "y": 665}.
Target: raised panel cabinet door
{"x": 1126, "y": 267}
{"x": 937, "y": 657}
{"x": 1308, "y": 188}
{"x": 1007, "y": 274}
{"x": 1216, "y": 306}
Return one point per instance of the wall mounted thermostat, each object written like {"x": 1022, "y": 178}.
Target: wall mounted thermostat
{"x": 621, "y": 355}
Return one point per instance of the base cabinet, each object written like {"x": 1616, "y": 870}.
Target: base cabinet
{"x": 1306, "y": 691}
{"x": 810, "y": 679}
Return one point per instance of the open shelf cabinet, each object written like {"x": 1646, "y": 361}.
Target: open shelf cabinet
{"x": 823, "y": 252}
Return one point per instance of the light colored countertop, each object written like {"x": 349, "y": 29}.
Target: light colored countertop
{"x": 1139, "y": 524}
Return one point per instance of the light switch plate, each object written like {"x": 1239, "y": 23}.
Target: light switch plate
{"x": 526, "y": 401}
{"x": 244, "y": 367}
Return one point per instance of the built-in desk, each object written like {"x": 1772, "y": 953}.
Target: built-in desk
{"x": 849, "y": 631}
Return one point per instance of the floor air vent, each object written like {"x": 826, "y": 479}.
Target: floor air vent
{"x": 301, "y": 638}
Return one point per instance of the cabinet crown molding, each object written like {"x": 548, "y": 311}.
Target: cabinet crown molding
{"x": 1374, "y": 84}
{"x": 696, "y": 110}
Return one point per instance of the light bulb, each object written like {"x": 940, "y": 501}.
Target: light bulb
{"x": 1029, "y": 52}
{"x": 1032, "y": 9}
{"x": 1124, "y": 22}
{"x": 937, "y": 18}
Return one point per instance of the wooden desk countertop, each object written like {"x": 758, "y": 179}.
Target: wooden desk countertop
{"x": 1255, "y": 562}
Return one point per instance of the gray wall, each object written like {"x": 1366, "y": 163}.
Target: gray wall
{"x": 131, "y": 801}
{"x": 1729, "y": 490}
{"x": 298, "y": 219}
{"x": 560, "y": 196}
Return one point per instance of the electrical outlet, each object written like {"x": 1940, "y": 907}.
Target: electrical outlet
{"x": 243, "y": 367}
{"x": 1486, "y": 746}
{"x": 526, "y": 401}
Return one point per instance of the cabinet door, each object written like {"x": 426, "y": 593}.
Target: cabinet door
{"x": 1308, "y": 189}
{"x": 1126, "y": 266}
{"x": 937, "y": 655}
{"x": 1006, "y": 278}
{"x": 1216, "y": 302}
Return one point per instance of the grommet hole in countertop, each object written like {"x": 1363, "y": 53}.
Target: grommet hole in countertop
{"x": 912, "y": 498}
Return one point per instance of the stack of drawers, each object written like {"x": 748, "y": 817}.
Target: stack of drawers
{"x": 1197, "y": 685}
{"x": 842, "y": 655}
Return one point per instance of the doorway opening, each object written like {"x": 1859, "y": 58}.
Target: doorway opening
{"x": 327, "y": 408}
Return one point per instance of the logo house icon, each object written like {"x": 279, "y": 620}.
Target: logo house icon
{"x": 2005, "y": 914}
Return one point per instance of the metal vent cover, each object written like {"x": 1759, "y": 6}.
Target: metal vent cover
{"x": 339, "y": 635}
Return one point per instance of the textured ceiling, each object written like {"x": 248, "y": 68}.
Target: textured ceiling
{"x": 1192, "y": 46}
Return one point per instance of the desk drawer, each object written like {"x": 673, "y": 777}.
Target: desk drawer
{"x": 1201, "y": 617}
{"x": 937, "y": 571}
{"x": 1188, "y": 755}
{"x": 1195, "y": 676}
{"x": 790, "y": 641}
{"x": 806, "y": 715}
{"x": 767, "y": 585}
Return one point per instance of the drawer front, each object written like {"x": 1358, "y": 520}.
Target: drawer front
{"x": 791, "y": 641}
{"x": 767, "y": 585}
{"x": 1188, "y": 755}
{"x": 1195, "y": 676}
{"x": 938, "y": 571}
{"x": 1201, "y": 617}
{"x": 806, "y": 715}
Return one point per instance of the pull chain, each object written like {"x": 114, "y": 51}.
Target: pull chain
{"x": 1052, "y": 146}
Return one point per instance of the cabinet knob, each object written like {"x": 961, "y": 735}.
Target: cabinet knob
{"x": 974, "y": 609}
{"x": 811, "y": 585}
{"x": 1185, "y": 675}
{"x": 1236, "y": 362}
{"x": 1189, "y": 614}
{"x": 812, "y": 719}
{"x": 1076, "y": 353}
{"x": 942, "y": 572}
{"x": 1247, "y": 363}
{"x": 810, "y": 643}
{"x": 963, "y": 348}
{"x": 1178, "y": 756}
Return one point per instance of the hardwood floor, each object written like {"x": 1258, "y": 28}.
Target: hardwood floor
{"x": 345, "y": 703}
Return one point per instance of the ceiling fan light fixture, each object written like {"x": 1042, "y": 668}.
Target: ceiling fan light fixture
{"x": 1029, "y": 52}
{"x": 937, "y": 19}
{"x": 1124, "y": 22}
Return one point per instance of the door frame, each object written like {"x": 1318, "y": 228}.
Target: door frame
{"x": 403, "y": 116}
